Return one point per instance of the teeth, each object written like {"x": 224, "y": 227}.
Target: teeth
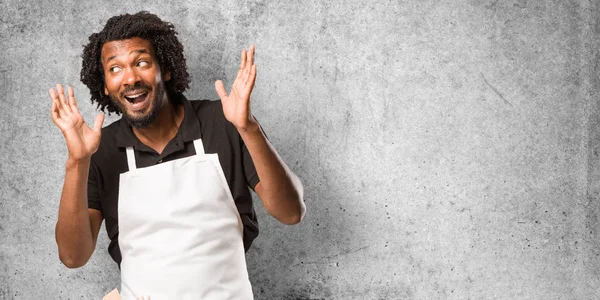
{"x": 134, "y": 96}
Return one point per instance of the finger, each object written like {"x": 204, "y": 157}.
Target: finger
{"x": 54, "y": 111}
{"x": 54, "y": 97}
{"x": 220, "y": 88}
{"x": 243, "y": 59}
{"x": 63, "y": 100}
{"x": 57, "y": 114}
{"x": 52, "y": 93}
{"x": 240, "y": 74}
{"x": 250, "y": 57}
{"x": 249, "y": 63}
{"x": 72, "y": 101}
{"x": 252, "y": 77}
{"x": 59, "y": 108}
{"x": 98, "y": 123}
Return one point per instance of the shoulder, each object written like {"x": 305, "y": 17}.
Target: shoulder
{"x": 210, "y": 113}
{"x": 218, "y": 134}
{"x": 208, "y": 108}
{"x": 112, "y": 129}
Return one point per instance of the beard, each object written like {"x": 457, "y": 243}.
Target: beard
{"x": 142, "y": 121}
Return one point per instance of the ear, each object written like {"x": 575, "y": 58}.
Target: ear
{"x": 167, "y": 76}
{"x": 105, "y": 91}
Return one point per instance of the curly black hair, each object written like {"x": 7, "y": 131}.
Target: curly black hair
{"x": 162, "y": 36}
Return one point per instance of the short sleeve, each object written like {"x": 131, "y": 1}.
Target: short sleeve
{"x": 93, "y": 188}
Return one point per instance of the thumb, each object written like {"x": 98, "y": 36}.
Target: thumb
{"x": 220, "y": 88}
{"x": 98, "y": 123}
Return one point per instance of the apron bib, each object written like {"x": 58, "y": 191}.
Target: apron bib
{"x": 180, "y": 233}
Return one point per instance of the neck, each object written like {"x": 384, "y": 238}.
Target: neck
{"x": 158, "y": 134}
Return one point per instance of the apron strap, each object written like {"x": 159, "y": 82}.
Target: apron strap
{"x": 130, "y": 158}
{"x": 199, "y": 147}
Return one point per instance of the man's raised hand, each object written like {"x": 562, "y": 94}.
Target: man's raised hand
{"x": 82, "y": 141}
{"x": 236, "y": 105}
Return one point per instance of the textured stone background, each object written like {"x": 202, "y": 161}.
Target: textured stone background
{"x": 449, "y": 149}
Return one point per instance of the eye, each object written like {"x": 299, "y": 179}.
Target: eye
{"x": 143, "y": 63}
{"x": 114, "y": 69}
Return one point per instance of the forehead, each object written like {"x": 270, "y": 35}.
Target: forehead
{"x": 124, "y": 48}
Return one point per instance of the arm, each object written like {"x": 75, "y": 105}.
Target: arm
{"x": 77, "y": 226}
{"x": 279, "y": 189}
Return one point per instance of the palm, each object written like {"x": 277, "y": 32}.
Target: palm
{"x": 236, "y": 105}
{"x": 82, "y": 141}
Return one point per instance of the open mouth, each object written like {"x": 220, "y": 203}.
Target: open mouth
{"x": 137, "y": 98}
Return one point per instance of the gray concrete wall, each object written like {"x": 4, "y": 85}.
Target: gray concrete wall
{"x": 449, "y": 149}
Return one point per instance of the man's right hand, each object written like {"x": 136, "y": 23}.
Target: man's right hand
{"x": 82, "y": 141}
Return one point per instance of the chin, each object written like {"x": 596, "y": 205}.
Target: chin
{"x": 142, "y": 119}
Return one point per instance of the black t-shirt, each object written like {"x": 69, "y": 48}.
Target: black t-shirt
{"x": 202, "y": 119}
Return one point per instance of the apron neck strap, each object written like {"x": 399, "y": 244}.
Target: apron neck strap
{"x": 199, "y": 147}
{"x": 130, "y": 158}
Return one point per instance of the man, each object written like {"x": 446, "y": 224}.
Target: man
{"x": 171, "y": 176}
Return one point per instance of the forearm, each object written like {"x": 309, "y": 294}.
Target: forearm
{"x": 73, "y": 230}
{"x": 279, "y": 188}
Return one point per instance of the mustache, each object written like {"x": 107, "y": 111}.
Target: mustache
{"x": 137, "y": 86}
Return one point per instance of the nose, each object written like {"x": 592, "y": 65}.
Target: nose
{"x": 131, "y": 77}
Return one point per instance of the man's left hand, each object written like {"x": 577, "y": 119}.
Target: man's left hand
{"x": 236, "y": 105}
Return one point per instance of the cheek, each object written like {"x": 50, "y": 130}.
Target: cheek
{"x": 111, "y": 84}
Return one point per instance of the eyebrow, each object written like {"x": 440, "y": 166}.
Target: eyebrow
{"x": 138, "y": 51}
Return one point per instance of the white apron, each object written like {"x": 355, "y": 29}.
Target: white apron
{"x": 180, "y": 233}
